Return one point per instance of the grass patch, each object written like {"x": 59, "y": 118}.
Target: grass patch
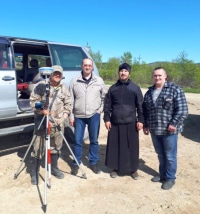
{"x": 192, "y": 90}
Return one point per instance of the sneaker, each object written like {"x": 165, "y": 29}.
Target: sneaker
{"x": 167, "y": 185}
{"x": 95, "y": 168}
{"x": 157, "y": 179}
{"x": 113, "y": 174}
{"x": 135, "y": 175}
{"x": 74, "y": 169}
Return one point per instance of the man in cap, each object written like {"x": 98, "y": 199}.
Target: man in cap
{"x": 60, "y": 102}
{"x": 123, "y": 117}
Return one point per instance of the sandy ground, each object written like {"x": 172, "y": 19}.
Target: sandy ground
{"x": 100, "y": 193}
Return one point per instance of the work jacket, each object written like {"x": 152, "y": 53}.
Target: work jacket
{"x": 60, "y": 105}
{"x": 87, "y": 98}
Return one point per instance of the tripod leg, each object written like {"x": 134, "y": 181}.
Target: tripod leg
{"x": 34, "y": 137}
{"x": 59, "y": 129}
{"x": 18, "y": 170}
{"x": 83, "y": 173}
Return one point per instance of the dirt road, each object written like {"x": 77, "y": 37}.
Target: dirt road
{"x": 101, "y": 194}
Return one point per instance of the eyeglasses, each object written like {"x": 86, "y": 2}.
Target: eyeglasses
{"x": 86, "y": 65}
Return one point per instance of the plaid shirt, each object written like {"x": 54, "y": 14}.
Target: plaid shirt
{"x": 170, "y": 108}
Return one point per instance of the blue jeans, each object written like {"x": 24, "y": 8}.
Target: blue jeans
{"x": 93, "y": 129}
{"x": 166, "y": 148}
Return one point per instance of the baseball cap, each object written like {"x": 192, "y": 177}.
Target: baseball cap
{"x": 57, "y": 68}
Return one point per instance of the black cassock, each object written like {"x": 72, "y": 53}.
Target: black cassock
{"x": 122, "y": 151}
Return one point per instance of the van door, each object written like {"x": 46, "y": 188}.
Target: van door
{"x": 8, "y": 96}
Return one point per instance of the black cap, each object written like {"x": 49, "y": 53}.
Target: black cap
{"x": 125, "y": 66}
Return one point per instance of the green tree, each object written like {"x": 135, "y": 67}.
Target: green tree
{"x": 127, "y": 57}
{"x": 184, "y": 71}
{"x": 97, "y": 57}
{"x": 182, "y": 58}
{"x": 110, "y": 69}
{"x": 141, "y": 74}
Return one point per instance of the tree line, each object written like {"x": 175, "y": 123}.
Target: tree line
{"x": 182, "y": 71}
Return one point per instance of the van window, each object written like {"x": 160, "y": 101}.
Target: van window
{"x": 4, "y": 59}
{"x": 18, "y": 61}
{"x": 40, "y": 58}
{"x": 69, "y": 57}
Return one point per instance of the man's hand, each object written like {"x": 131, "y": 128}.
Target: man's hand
{"x": 146, "y": 131}
{"x": 108, "y": 125}
{"x": 171, "y": 128}
{"x": 65, "y": 115}
{"x": 139, "y": 126}
{"x": 71, "y": 123}
{"x": 46, "y": 112}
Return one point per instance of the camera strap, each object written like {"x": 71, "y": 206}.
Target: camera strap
{"x": 54, "y": 97}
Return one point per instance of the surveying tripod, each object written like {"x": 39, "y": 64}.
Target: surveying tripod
{"x": 46, "y": 71}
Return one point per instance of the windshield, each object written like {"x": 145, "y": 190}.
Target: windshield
{"x": 69, "y": 57}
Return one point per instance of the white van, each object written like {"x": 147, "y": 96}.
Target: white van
{"x": 20, "y": 60}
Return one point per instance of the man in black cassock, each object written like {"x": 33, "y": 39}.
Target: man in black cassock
{"x": 123, "y": 117}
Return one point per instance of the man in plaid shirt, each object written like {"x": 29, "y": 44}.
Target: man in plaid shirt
{"x": 165, "y": 109}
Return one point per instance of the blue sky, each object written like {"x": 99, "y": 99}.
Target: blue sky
{"x": 155, "y": 30}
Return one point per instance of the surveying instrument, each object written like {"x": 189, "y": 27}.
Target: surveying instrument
{"x": 46, "y": 72}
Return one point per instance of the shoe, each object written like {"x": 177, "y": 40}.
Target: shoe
{"x": 135, "y": 175}
{"x": 54, "y": 167}
{"x": 95, "y": 168}
{"x": 167, "y": 185}
{"x": 113, "y": 174}
{"x": 157, "y": 179}
{"x": 74, "y": 169}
